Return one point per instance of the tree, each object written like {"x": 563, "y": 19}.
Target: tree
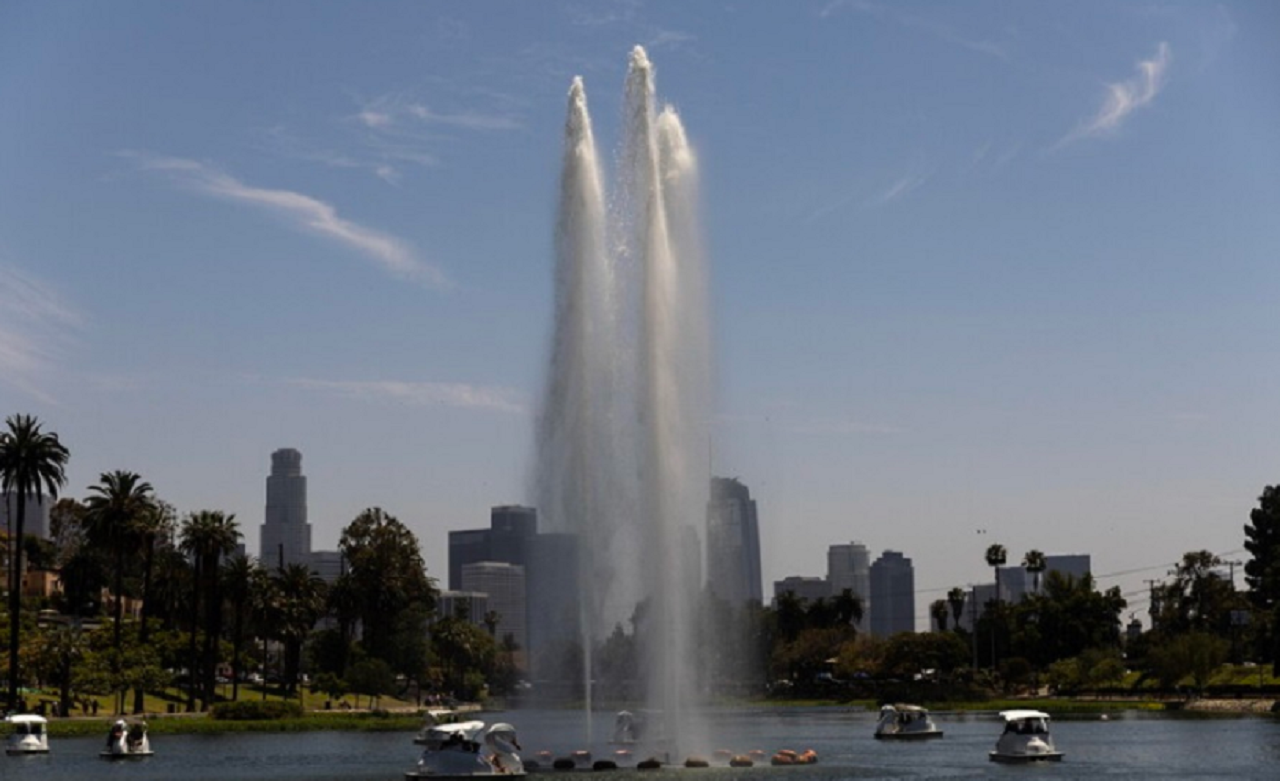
{"x": 207, "y": 536}
{"x": 387, "y": 579}
{"x": 1262, "y": 571}
{"x": 111, "y": 515}
{"x": 1035, "y": 563}
{"x": 152, "y": 526}
{"x": 996, "y": 556}
{"x": 300, "y": 601}
{"x": 1195, "y": 654}
{"x": 940, "y": 613}
{"x": 1198, "y": 599}
{"x": 956, "y": 599}
{"x": 32, "y": 464}
{"x": 239, "y": 575}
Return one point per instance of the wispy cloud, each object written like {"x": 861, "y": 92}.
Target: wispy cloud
{"x": 839, "y": 428}
{"x": 399, "y": 113}
{"x": 929, "y": 25}
{"x": 421, "y": 394}
{"x": 303, "y": 211}
{"x": 35, "y": 324}
{"x": 903, "y": 187}
{"x": 1125, "y": 97}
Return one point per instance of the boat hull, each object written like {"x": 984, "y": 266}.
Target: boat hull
{"x": 413, "y": 775}
{"x": 126, "y": 755}
{"x": 1025, "y": 759}
{"x": 909, "y": 735}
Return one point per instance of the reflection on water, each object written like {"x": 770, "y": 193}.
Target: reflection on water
{"x": 1136, "y": 745}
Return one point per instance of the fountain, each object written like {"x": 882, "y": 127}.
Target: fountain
{"x": 622, "y": 439}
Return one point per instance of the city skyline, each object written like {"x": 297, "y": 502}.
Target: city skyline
{"x": 986, "y": 274}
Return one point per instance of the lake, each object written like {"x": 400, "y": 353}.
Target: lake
{"x": 1142, "y": 745}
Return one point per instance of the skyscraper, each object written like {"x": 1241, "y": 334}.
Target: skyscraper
{"x": 505, "y": 586}
{"x": 849, "y": 567}
{"x": 35, "y": 522}
{"x": 893, "y": 597}
{"x": 511, "y": 527}
{"x": 286, "y": 535}
{"x": 733, "y": 543}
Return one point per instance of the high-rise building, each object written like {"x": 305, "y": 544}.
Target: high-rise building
{"x": 809, "y": 589}
{"x": 511, "y": 527}
{"x": 553, "y": 597}
{"x": 467, "y": 605}
{"x": 35, "y": 521}
{"x": 893, "y": 597}
{"x": 505, "y": 586}
{"x": 327, "y": 564}
{"x": 286, "y": 535}
{"x": 733, "y": 543}
{"x": 849, "y": 567}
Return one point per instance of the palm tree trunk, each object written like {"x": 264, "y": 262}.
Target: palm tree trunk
{"x": 15, "y": 595}
{"x": 139, "y": 702}
{"x": 192, "y": 676}
{"x": 213, "y": 614}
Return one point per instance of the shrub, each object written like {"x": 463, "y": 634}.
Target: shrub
{"x": 256, "y": 710}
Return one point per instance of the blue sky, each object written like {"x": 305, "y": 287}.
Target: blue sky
{"x": 981, "y": 272}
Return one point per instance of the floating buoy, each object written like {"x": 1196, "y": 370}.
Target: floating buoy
{"x": 651, "y": 763}
{"x": 604, "y": 764}
{"x": 564, "y": 763}
{"x": 741, "y": 760}
{"x": 696, "y": 762}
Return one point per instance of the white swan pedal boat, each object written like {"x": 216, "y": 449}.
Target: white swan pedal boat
{"x": 468, "y": 750}
{"x": 905, "y": 722}
{"x": 30, "y": 734}
{"x": 127, "y": 741}
{"x": 1025, "y": 738}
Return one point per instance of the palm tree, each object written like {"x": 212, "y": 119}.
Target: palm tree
{"x": 300, "y": 603}
{"x": 152, "y": 526}
{"x": 32, "y": 463}
{"x": 240, "y": 575}
{"x": 111, "y": 517}
{"x": 1035, "y": 563}
{"x": 940, "y": 613}
{"x": 996, "y": 557}
{"x": 956, "y": 599}
{"x": 207, "y": 536}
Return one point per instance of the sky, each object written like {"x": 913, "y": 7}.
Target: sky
{"x": 980, "y": 273}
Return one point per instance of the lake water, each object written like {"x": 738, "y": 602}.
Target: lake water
{"x": 1128, "y": 744}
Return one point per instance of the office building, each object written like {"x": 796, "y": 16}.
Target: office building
{"x": 733, "y": 543}
{"x": 893, "y": 599}
{"x": 327, "y": 564}
{"x": 511, "y": 527}
{"x": 286, "y": 535}
{"x": 504, "y": 584}
{"x": 35, "y": 521}
{"x": 808, "y": 589}
{"x": 470, "y": 606}
{"x": 849, "y": 567}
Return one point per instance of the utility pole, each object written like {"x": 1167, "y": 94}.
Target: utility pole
{"x": 1154, "y": 608}
{"x": 1231, "y": 571}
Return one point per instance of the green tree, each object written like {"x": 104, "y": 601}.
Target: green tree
{"x": 153, "y": 526}
{"x": 1195, "y": 654}
{"x": 956, "y": 598}
{"x": 207, "y": 536}
{"x": 32, "y": 464}
{"x": 372, "y": 678}
{"x": 1262, "y": 570}
{"x": 300, "y": 601}
{"x": 938, "y": 610}
{"x": 1198, "y": 599}
{"x": 390, "y": 586}
{"x": 239, "y": 575}
{"x": 1035, "y": 563}
{"x": 111, "y": 516}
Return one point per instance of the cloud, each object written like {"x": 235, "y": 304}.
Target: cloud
{"x": 391, "y": 254}
{"x": 34, "y": 323}
{"x": 903, "y": 187}
{"x": 1125, "y": 97}
{"x": 398, "y": 114}
{"x": 421, "y": 394}
{"x": 929, "y": 25}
